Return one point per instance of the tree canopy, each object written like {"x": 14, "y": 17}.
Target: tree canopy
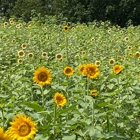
{"x": 121, "y": 12}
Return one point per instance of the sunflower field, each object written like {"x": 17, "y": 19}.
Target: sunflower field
{"x": 69, "y": 81}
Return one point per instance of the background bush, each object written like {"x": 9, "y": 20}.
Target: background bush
{"x": 121, "y": 12}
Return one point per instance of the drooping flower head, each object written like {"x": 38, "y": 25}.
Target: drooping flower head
{"x": 42, "y": 76}
{"x": 22, "y": 128}
{"x": 93, "y": 92}
{"x": 4, "y": 136}
{"x": 60, "y": 99}
{"x": 81, "y": 68}
{"x": 91, "y": 71}
{"x": 117, "y": 69}
{"x": 68, "y": 71}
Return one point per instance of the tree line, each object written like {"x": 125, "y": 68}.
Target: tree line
{"x": 121, "y": 12}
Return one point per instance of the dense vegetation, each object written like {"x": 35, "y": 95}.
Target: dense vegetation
{"x": 76, "y": 82}
{"x": 121, "y": 12}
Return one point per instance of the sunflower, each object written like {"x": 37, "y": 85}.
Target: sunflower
{"x": 97, "y": 63}
{"x": 5, "y": 24}
{"x": 126, "y": 39}
{"x": 68, "y": 71}
{"x": 4, "y": 136}
{"x": 59, "y": 99}
{"x": 111, "y": 61}
{"x": 44, "y": 54}
{"x": 93, "y": 92}
{"x": 42, "y": 76}
{"x": 129, "y": 47}
{"x": 30, "y": 55}
{"x": 11, "y": 19}
{"x": 66, "y": 28}
{"x": 22, "y": 128}
{"x": 91, "y": 71}
{"x": 20, "y": 61}
{"x": 137, "y": 54}
{"x": 24, "y": 46}
{"x": 83, "y": 52}
{"x": 21, "y": 53}
{"x": 81, "y": 68}
{"x": 59, "y": 56}
{"x": 13, "y": 40}
{"x": 117, "y": 69}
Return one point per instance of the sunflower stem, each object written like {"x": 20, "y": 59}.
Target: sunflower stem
{"x": 67, "y": 53}
{"x": 93, "y": 111}
{"x": 42, "y": 93}
{"x": 87, "y": 86}
{"x": 54, "y": 121}
{"x": 2, "y": 113}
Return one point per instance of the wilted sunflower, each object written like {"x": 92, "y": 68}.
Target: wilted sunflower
{"x": 91, "y": 71}
{"x": 81, "y": 68}
{"x": 66, "y": 28}
{"x": 59, "y": 99}
{"x": 4, "y": 136}
{"x": 22, "y": 128}
{"x": 42, "y": 76}
{"x": 93, "y": 92}
{"x": 21, "y": 53}
{"x": 68, "y": 71}
{"x": 117, "y": 69}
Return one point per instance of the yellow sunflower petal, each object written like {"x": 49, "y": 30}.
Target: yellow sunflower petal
{"x": 42, "y": 76}
{"x": 91, "y": 71}
{"x": 117, "y": 69}
{"x": 22, "y": 128}
{"x": 68, "y": 71}
{"x": 60, "y": 99}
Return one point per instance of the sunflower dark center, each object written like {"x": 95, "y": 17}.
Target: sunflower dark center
{"x": 24, "y": 129}
{"x": 68, "y": 71}
{"x": 59, "y": 99}
{"x": 91, "y": 71}
{"x": 42, "y": 76}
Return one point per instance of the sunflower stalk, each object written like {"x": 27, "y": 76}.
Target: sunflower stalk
{"x": 67, "y": 49}
{"x": 42, "y": 93}
{"x": 2, "y": 114}
{"x": 54, "y": 123}
{"x": 93, "y": 111}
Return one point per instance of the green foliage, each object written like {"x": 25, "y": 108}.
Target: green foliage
{"x": 114, "y": 114}
{"x": 121, "y": 12}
